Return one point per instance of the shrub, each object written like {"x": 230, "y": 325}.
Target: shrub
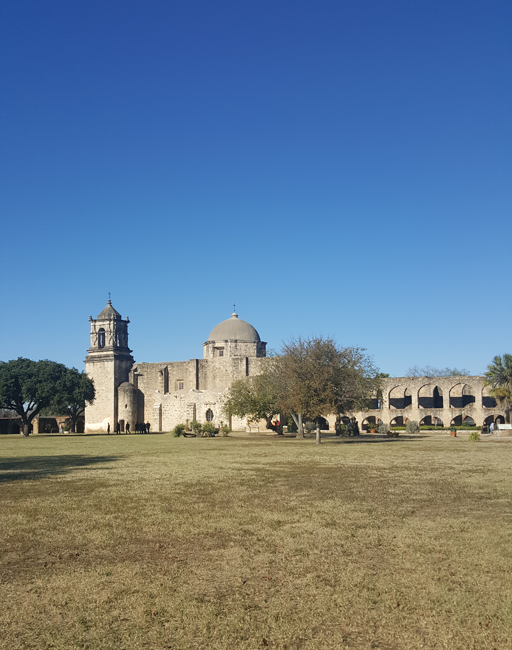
{"x": 382, "y": 428}
{"x": 412, "y": 427}
{"x": 474, "y": 435}
{"x": 208, "y": 429}
{"x": 196, "y": 427}
{"x": 225, "y": 430}
{"x": 309, "y": 426}
{"x": 179, "y": 430}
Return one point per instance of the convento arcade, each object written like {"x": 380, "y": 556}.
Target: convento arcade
{"x": 169, "y": 393}
{"x": 440, "y": 401}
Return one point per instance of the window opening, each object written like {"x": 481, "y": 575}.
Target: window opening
{"x": 209, "y": 415}
{"x": 101, "y": 338}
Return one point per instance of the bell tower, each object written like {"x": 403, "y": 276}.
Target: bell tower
{"x": 108, "y": 364}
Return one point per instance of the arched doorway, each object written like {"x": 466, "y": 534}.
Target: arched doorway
{"x": 369, "y": 423}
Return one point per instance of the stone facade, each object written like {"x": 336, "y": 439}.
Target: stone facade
{"x": 173, "y": 392}
{"x": 169, "y": 392}
{"x": 441, "y": 401}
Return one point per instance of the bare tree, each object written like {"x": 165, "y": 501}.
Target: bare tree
{"x": 429, "y": 371}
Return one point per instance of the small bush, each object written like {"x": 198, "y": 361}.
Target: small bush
{"x": 208, "y": 429}
{"x": 179, "y": 430}
{"x": 412, "y": 427}
{"x": 309, "y": 426}
{"x": 474, "y": 435}
{"x": 225, "y": 430}
{"x": 196, "y": 427}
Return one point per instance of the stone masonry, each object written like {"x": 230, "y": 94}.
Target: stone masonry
{"x": 173, "y": 392}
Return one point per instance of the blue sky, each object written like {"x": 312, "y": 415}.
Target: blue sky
{"x": 336, "y": 168}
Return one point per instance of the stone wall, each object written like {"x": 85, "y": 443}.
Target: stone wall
{"x": 441, "y": 400}
{"x": 177, "y": 391}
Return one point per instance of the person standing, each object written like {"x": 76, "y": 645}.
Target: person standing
{"x": 491, "y": 428}
{"x": 127, "y": 427}
{"x": 148, "y": 427}
{"x": 118, "y": 428}
{"x": 108, "y": 428}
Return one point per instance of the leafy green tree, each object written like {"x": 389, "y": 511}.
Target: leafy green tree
{"x": 499, "y": 378}
{"x": 318, "y": 377}
{"x": 27, "y": 387}
{"x": 309, "y": 378}
{"x": 75, "y": 390}
{"x": 254, "y": 397}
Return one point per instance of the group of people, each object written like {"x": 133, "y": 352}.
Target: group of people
{"x": 140, "y": 427}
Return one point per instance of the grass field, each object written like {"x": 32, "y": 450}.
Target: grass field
{"x": 126, "y": 542}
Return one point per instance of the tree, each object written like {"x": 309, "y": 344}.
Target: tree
{"x": 75, "y": 390}
{"x": 318, "y": 377}
{"x": 308, "y": 379}
{"x": 254, "y": 397}
{"x": 357, "y": 383}
{"x": 429, "y": 371}
{"x": 499, "y": 377}
{"x": 27, "y": 387}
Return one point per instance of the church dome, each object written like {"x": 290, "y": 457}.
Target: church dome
{"x": 234, "y": 329}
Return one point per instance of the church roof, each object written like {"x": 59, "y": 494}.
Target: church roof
{"x": 234, "y": 329}
{"x": 108, "y": 312}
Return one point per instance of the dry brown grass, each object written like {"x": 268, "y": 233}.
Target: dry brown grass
{"x": 157, "y": 542}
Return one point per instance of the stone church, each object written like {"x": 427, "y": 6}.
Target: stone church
{"x": 170, "y": 392}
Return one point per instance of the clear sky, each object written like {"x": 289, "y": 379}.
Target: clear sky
{"x": 332, "y": 167}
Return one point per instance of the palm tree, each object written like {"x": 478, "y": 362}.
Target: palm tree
{"x": 499, "y": 377}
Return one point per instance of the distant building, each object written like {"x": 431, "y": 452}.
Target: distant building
{"x": 169, "y": 392}
{"x": 172, "y": 392}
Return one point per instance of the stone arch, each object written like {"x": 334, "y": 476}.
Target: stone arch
{"x": 399, "y": 421}
{"x": 488, "y": 420}
{"x": 488, "y": 402}
{"x": 376, "y": 402}
{"x": 461, "y": 395}
{"x": 430, "y": 397}
{"x": 500, "y": 419}
{"x": 459, "y": 420}
{"x": 468, "y": 396}
{"x": 324, "y": 425}
{"x": 431, "y": 421}
{"x": 399, "y": 397}
{"x": 369, "y": 423}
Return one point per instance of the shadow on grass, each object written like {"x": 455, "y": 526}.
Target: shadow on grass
{"x": 38, "y": 467}
{"x": 368, "y": 440}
